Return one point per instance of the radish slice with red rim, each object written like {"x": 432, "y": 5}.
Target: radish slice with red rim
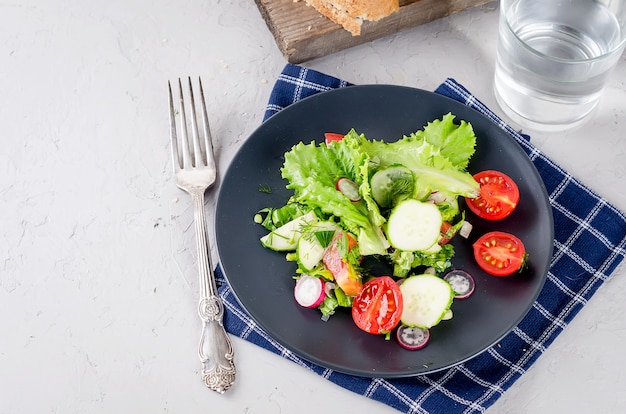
{"x": 328, "y": 287}
{"x": 436, "y": 197}
{"x": 412, "y": 337}
{"x": 462, "y": 283}
{"x": 348, "y": 188}
{"x": 309, "y": 291}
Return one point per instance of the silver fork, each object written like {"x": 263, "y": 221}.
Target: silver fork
{"x": 195, "y": 171}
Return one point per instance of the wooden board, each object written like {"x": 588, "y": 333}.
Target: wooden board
{"x": 303, "y": 34}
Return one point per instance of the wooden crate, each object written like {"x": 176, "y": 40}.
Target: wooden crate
{"x": 303, "y": 34}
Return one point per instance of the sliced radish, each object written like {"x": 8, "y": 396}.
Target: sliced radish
{"x": 436, "y": 197}
{"x": 462, "y": 283}
{"x": 412, "y": 338}
{"x": 309, "y": 291}
{"x": 348, "y": 188}
{"x": 328, "y": 288}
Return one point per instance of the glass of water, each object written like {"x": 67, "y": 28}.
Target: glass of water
{"x": 554, "y": 58}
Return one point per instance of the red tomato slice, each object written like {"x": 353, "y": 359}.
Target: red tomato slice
{"x": 344, "y": 273}
{"x": 499, "y": 253}
{"x": 447, "y": 233}
{"x": 498, "y": 197}
{"x": 331, "y": 136}
{"x": 378, "y": 307}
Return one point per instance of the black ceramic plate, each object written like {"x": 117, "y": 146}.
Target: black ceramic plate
{"x": 262, "y": 279}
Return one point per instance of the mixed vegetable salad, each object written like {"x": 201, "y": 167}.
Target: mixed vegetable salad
{"x": 399, "y": 203}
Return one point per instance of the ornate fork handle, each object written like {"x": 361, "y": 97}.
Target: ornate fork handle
{"x": 195, "y": 171}
{"x": 215, "y": 350}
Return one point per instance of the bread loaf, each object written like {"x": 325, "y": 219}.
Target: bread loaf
{"x": 351, "y": 13}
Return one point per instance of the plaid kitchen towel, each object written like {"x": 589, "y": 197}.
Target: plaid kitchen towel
{"x": 590, "y": 242}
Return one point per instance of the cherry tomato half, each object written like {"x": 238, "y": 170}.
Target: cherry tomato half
{"x": 331, "y": 136}
{"x": 499, "y": 253}
{"x": 498, "y": 197}
{"x": 378, "y": 307}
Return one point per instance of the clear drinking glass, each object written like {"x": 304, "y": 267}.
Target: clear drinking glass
{"x": 554, "y": 58}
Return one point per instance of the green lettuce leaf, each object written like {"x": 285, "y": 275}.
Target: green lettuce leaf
{"x": 405, "y": 262}
{"x": 312, "y": 172}
{"x": 457, "y": 142}
{"x": 437, "y": 156}
{"x": 276, "y": 217}
{"x": 440, "y": 260}
{"x": 433, "y": 170}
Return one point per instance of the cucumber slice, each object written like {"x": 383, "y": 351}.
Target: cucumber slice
{"x": 432, "y": 249}
{"x": 392, "y": 184}
{"x": 427, "y": 300}
{"x": 414, "y": 225}
{"x": 285, "y": 238}
{"x": 310, "y": 249}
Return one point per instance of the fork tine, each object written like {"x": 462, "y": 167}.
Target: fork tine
{"x": 174, "y": 138}
{"x": 197, "y": 149}
{"x": 184, "y": 141}
{"x": 208, "y": 139}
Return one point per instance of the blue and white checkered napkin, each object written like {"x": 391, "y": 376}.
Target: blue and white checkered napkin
{"x": 590, "y": 242}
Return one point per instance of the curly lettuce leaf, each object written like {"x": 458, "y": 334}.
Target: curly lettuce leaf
{"x": 312, "y": 172}
{"x": 457, "y": 142}
{"x": 276, "y": 217}
{"x": 405, "y": 262}
{"x": 437, "y": 156}
{"x": 433, "y": 170}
